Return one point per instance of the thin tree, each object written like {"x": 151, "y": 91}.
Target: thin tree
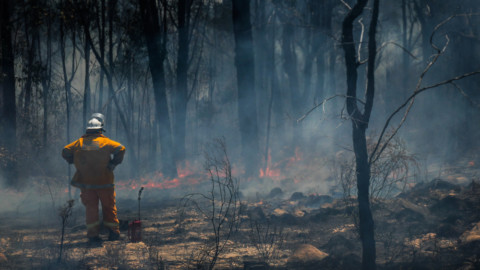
{"x": 8, "y": 123}
{"x": 86, "y": 93}
{"x": 67, "y": 79}
{"x": 183, "y": 16}
{"x": 46, "y": 71}
{"x": 155, "y": 37}
{"x": 360, "y": 123}
{"x": 108, "y": 71}
{"x": 245, "y": 67}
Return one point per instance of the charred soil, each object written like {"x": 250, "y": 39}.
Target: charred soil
{"x": 433, "y": 225}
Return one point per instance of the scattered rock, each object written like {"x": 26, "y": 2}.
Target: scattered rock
{"x": 449, "y": 204}
{"x": 275, "y": 192}
{"x": 306, "y": 257}
{"x": 338, "y": 245}
{"x": 439, "y": 184}
{"x": 298, "y": 213}
{"x": 448, "y": 231}
{"x": 345, "y": 261}
{"x": 296, "y": 196}
{"x": 279, "y": 212}
{"x": 423, "y": 189}
{"x": 3, "y": 259}
{"x": 324, "y": 213}
{"x": 315, "y": 201}
{"x": 256, "y": 214}
{"x": 282, "y": 216}
{"x": 407, "y": 211}
{"x": 453, "y": 219}
{"x": 472, "y": 235}
{"x": 408, "y": 214}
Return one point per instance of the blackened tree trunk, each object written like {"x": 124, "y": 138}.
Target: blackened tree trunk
{"x": 290, "y": 63}
{"x": 321, "y": 20}
{"x": 261, "y": 39}
{"x": 183, "y": 16}
{"x": 156, "y": 42}
{"x": 109, "y": 75}
{"x": 100, "y": 20}
{"x": 360, "y": 124}
{"x": 86, "y": 93}
{"x": 8, "y": 123}
{"x": 67, "y": 84}
{"x": 265, "y": 70}
{"x": 111, "y": 13}
{"x": 405, "y": 45}
{"x": 245, "y": 66}
{"x": 31, "y": 36}
{"x": 424, "y": 16}
{"x": 46, "y": 76}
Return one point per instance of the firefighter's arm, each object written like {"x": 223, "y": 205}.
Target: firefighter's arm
{"x": 118, "y": 151}
{"x": 67, "y": 152}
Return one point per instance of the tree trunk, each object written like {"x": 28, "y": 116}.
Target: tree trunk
{"x": 111, "y": 12}
{"x": 360, "y": 124}
{"x": 420, "y": 7}
{"x": 8, "y": 123}
{"x": 30, "y": 41}
{"x": 405, "y": 80}
{"x": 157, "y": 53}
{"x": 46, "y": 79}
{"x": 290, "y": 67}
{"x": 245, "y": 66}
{"x": 86, "y": 94}
{"x": 261, "y": 59}
{"x": 67, "y": 88}
{"x": 101, "y": 41}
{"x": 321, "y": 17}
{"x": 182, "y": 78}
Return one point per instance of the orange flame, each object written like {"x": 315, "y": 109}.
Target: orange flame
{"x": 277, "y": 170}
{"x": 159, "y": 181}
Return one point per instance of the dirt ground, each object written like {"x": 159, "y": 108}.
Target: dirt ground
{"x": 432, "y": 225}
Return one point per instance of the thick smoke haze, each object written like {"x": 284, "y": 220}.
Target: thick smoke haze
{"x": 298, "y": 65}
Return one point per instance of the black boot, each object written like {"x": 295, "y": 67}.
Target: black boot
{"x": 113, "y": 236}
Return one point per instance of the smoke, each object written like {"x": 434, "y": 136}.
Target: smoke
{"x": 440, "y": 127}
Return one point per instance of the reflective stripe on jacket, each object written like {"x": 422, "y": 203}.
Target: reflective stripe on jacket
{"x": 92, "y": 155}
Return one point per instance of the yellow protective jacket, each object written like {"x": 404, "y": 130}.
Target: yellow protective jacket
{"x": 95, "y": 156}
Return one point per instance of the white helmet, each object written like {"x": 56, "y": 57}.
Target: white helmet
{"x": 94, "y": 124}
{"x": 99, "y": 117}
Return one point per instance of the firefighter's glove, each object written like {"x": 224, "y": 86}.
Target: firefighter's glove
{"x": 111, "y": 166}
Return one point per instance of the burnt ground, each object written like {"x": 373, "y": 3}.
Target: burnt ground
{"x": 433, "y": 225}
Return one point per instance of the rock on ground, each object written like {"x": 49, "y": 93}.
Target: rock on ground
{"x": 306, "y": 257}
{"x": 471, "y": 235}
{"x": 3, "y": 258}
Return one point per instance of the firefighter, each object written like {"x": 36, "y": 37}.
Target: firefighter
{"x": 95, "y": 157}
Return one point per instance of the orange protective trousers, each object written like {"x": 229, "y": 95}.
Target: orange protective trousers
{"x": 106, "y": 196}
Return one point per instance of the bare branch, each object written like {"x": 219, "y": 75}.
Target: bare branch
{"x": 359, "y": 53}
{"x": 408, "y": 102}
{"x": 346, "y": 4}
{"x": 323, "y": 104}
{"x": 384, "y": 44}
{"x": 446, "y": 21}
{"x": 472, "y": 102}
